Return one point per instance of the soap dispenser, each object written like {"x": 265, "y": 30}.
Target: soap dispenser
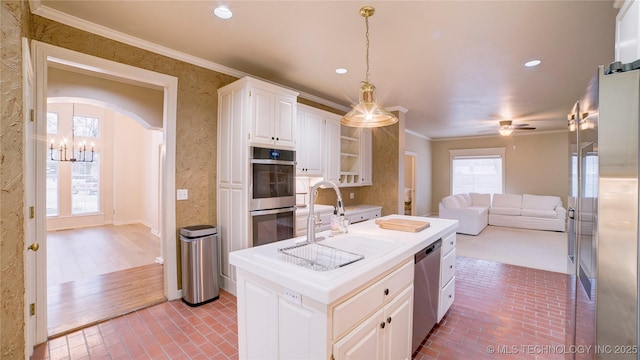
{"x": 335, "y": 222}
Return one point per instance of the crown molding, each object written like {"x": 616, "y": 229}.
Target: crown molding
{"x": 414, "y": 133}
{"x": 39, "y": 9}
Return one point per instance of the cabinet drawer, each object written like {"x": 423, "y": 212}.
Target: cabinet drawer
{"x": 350, "y": 312}
{"x": 448, "y": 243}
{"x": 447, "y": 295}
{"x": 448, "y": 267}
{"x": 353, "y": 219}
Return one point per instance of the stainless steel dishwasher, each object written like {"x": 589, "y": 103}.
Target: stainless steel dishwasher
{"x": 426, "y": 284}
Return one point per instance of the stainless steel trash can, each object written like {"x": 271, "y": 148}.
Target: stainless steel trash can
{"x": 199, "y": 255}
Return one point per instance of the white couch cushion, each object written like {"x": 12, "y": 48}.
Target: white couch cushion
{"x": 540, "y": 202}
{"x": 463, "y": 199}
{"x": 451, "y": 202}
{"x": 480, "y": 199}
{"x": 540, "y": 213}
{"x": 507, "y": 201}
{"x": 504, "y": 211}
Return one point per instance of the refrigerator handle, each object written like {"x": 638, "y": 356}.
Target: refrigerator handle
{"x": 571, "y": 212}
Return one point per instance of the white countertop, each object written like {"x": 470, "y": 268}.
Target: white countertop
{"x": 384, "y": 250}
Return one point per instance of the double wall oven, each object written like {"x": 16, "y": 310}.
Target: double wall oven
{"x": 272, "y": 195}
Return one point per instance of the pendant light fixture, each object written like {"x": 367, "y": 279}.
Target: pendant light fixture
{"x": 368, "y": 113}
{"x": 78, "y": 154}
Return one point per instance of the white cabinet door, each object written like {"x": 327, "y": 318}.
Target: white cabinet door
{"x": 332, "y": 150}
{"x": 310, "y": 139}
{"x": 272, "y": 118}
{"x": 398, "y": 315}
{"x": 364, "y": 342}
{"x": 262, "y": 116}
{"x": 285, "y": 121}
{"x": 366, "y": 157}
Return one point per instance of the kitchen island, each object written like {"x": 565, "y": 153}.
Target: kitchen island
{"x": 288, "y": 311}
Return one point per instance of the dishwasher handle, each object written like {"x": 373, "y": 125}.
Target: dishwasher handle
{"x": 427, "y": 251}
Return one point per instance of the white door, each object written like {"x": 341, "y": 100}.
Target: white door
{"x": 30, "y": 244}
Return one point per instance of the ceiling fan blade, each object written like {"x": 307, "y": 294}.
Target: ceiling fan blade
{"x": 520, "y": 125}
{"x": 524, "y": 128}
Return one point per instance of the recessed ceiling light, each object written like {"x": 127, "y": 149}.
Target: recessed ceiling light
{"x": 223, "y": 12}
{"x": 532, "y": 63}
{"x": 341, "y": 71}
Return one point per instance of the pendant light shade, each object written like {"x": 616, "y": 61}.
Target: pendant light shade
{"x": 368, "y": 113}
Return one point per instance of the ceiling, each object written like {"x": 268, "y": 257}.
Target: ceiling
{"x": 457, "y": 67}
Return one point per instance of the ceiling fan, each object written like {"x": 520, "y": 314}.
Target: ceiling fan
{"x": 507, "y": 127}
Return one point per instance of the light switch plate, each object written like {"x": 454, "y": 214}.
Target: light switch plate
{"x": 182, "y": 194}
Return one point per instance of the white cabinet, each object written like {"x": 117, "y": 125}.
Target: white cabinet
{"x": 627, "y": 48}
{"x": 383, "y": 335}
{"x": 366, "y": 157}
{"x": 273, "y": 115}
{"x": 323, "y": 214}
{"x": 355, "y": 156}
{"x": 332, "y": 149}
{"x": 447, "y": 274}
{"x": 373, "y": 322}
{"x": 310, "y": 127}
{"x": 249, "y": 112}
{"x": 363, "y": 213}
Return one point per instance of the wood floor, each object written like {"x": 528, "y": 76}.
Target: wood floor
{"x": 85, "y": 252}
{"x": 109, "y": 271}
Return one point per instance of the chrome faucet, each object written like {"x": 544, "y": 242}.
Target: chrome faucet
{"x": 311, "y": 224}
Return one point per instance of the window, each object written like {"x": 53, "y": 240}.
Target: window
{"x": 85, "y": 187}
{"x": 53, "y": 205}
{"x": 73, "y": 188}
{"x": 477, "y": 170}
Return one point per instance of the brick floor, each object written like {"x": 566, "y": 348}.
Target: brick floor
{"x": 517, "y": 312}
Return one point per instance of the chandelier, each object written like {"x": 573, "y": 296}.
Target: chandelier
{"x": 368, "y": 113}
{"x": 77, "y": 155}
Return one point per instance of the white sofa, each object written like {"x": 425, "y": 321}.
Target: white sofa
{"x": 471, "y": 210}
{"x": 528, "y": 211}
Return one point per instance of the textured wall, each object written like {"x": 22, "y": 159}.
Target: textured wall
{"x": 386, "y": 170}
{"x": 196, "y": 125}
{"x": 13, "y": 27}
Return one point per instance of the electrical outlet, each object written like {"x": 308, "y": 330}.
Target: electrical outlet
{"x": 182, "y": 194}
{"x": 351, "y": 196}
{"x": 294, "y": 297}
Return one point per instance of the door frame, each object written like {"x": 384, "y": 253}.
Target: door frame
{"x": 413, "y": 156}
{"x": 43, "y": 55}
{"x": 30, "y": 257}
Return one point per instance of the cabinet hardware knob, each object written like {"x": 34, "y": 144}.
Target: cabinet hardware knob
{"x": 272, "y": 138}
{"x": 277, "y": 138}
{"x": 452, "y": 243}
{"x": 386, "y": 291}
{"x": 450, "y": 266}
{"x": 382, "y": 324}
{"x": 389, "y": 320}
{"x": 450, "y": 296}
{"x": 34, "y": 247}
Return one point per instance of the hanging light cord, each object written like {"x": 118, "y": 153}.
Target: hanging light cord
{"x": 366, "y": 21}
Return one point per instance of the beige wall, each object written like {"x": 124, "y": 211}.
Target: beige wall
{"x": 140, "y": 101}
{"x": 534, "y": 164}
{"x": 196, "y": 123}
{"x": 422, "y": 148}
{"x": 13, "y": 26}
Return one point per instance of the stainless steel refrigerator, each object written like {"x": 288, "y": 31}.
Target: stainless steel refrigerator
{"x": 603, "y": 239}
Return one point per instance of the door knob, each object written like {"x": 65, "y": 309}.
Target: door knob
{"x": 35, "y": 246}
